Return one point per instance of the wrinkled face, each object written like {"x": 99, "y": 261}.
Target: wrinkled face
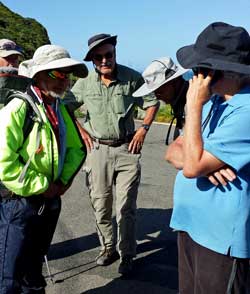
{"x": 53, "y": 83}
{"x": 104, "y": 59}
{"x": 166, "y": 92}
{"x": 10, "y": 61}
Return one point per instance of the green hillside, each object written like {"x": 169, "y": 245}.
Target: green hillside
{"x": 26, "y": 32}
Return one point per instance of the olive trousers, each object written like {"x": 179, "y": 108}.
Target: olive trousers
{"x": 114, "y": 171}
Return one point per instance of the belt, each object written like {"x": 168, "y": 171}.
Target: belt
{"x": 116, "y": 142}
{"x": 111, "y": 143}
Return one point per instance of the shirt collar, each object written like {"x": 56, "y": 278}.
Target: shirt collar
{"x": 118, "y": 75}
{"x": 239, "y": 99}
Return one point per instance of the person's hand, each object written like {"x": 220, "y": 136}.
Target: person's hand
{"x": 135, "y": 145}
{"x": 52, "y": 191}
{"x": 62, "y": 188}
{"x": 222, "y": 176}
{"x": 199, "y": 88}
{"x": 86, "y": 137}
{"x": 56, "y": 189}
{"x": 174, "y": 153}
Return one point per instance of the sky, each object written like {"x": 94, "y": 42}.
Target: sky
{"x": 146, "y": 29}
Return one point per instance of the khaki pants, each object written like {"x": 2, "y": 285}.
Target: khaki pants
{"x": 107, "y": 168}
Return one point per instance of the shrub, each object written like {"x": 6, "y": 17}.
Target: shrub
{"x": 164, "y": 114}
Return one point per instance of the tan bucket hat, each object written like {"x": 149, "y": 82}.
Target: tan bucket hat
{"x": 49, "y": 57}
{"x": 158, "y": 73}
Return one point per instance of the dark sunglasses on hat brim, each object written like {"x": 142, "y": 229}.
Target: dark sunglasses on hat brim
{"x": 10, "y": 46}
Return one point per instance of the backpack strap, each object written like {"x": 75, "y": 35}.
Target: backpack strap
{"x": 28, "y": 124}
{"x": 29, "y": 100}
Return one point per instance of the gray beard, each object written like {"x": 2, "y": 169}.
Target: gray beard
{"x": 53, "y": 94}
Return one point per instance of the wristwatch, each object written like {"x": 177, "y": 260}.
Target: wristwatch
{"x": 145, "y": 126}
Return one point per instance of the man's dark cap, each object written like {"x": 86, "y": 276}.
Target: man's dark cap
{"x": 97, "y": 41}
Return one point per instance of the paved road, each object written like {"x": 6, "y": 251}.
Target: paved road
{"x": 75, "y": 243}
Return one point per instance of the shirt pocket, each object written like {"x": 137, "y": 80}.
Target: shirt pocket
{"x": 122, "y": 103}
{"x": 94, "y": 103}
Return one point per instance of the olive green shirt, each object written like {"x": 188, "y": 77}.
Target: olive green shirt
{"x": 110, "y": 108}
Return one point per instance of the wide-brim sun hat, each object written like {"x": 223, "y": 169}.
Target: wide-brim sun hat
{"x": 48, "y": 57}
{"x": 98, "y": 40}
{"x": 9, "y": 47}
{"x": 220, "y": 46}
{"x": 159, "y": 72}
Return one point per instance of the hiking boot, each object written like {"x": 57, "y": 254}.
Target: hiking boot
{"x": 107, "y": 256}
{"x": 126, "y": 265}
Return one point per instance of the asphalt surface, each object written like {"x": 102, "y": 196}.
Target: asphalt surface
{"x": 75, "y": 244}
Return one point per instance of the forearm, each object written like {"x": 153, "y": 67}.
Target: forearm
{"x": 174, "y": 153}
{"x": 197, "y": 161}
{"x": 150, "y": 114}
{"x": 136, "y": 144}
{"x": 85, "y": 136}
{"x": 192, "y": 143}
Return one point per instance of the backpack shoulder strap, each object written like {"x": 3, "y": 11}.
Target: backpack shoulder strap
{"x": 30, "y": 102}
{"x": 32, "y": 115}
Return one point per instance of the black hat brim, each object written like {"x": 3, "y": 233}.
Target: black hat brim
{"x": 109, "y": 40}
{"x": 188, "y": 57}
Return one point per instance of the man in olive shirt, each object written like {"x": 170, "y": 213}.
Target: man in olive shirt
{"x": 113, "y": 146}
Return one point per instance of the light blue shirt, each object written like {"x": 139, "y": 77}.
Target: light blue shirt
{"x": 218, "y": 218}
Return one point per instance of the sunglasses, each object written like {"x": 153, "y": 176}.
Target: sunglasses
{"x": 99, "y": 57}
{"x": 55, "y": 74}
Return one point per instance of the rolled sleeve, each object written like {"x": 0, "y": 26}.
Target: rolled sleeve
{"x": 147, "y": 101}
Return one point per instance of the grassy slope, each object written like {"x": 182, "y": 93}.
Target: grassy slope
{"x": 26, "y": 32}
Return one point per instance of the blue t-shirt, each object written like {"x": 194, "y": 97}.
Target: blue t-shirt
{"x": 218, "y": 217}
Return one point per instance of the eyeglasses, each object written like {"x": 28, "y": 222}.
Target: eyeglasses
{"x": 55, "y": 74}
{"x": 99, "y": 57}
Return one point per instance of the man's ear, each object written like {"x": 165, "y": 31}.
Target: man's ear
{"x": 40, "y": 80}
